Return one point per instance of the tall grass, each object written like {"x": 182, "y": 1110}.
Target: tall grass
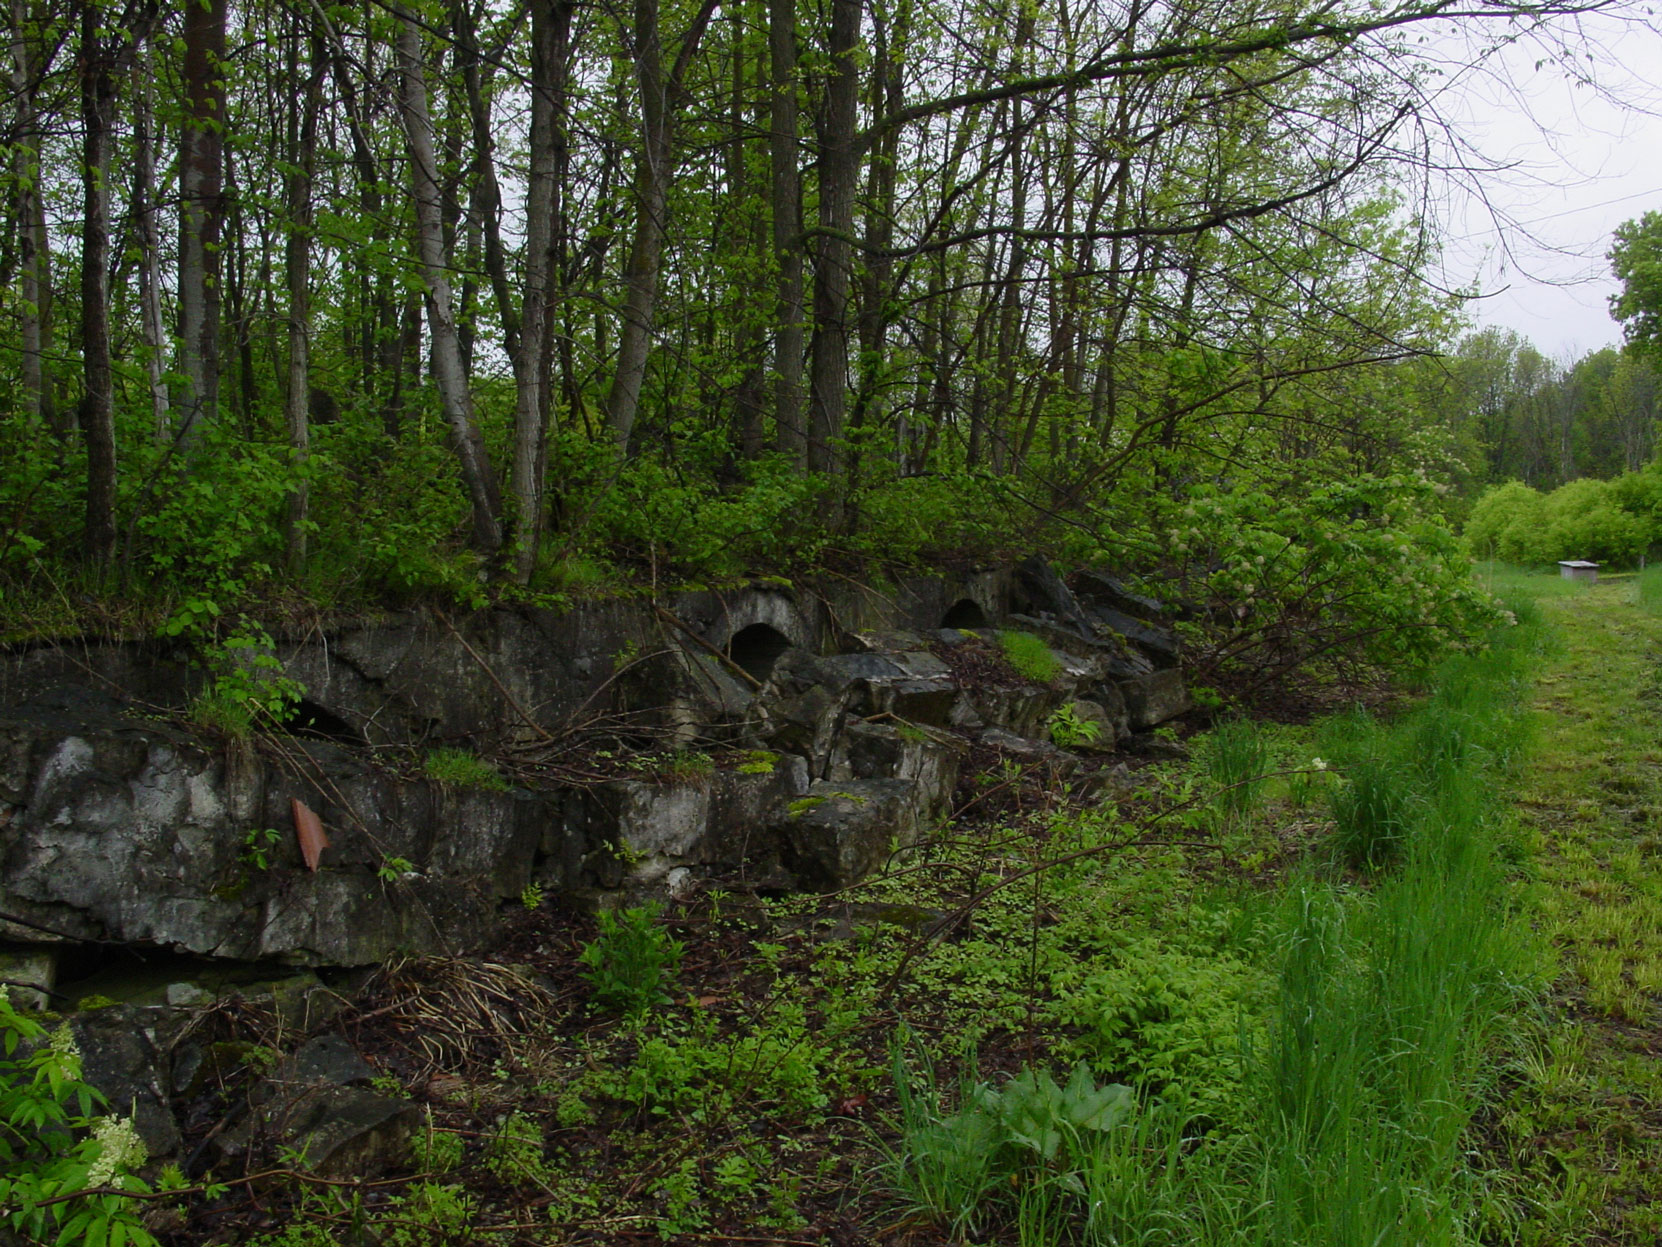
{"x": 1394, "y": 1000}
{"x": 1647, "y": 589}
{"x": 1237, "y": 756}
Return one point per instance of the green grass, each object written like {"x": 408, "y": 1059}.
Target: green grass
{"x": 457, "y": 768}
{"x": 1647, "y": 589}
{"x": 1508, "y": 581}
{"x": 1030, "y": 656}
{"x": 1580, "y": 1128}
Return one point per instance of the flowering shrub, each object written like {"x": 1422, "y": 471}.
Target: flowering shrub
{"x": 62, "y": 1170}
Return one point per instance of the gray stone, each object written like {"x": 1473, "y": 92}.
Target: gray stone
{"x": 29, "y": 974}
{"x": 930, "y": 760}
{"x": 134, "y": 831}
{"x": 842, "y": 832}
{"x": 188, "y": 996}
{"x": 1027, "y": 749}
{"x": 1046, "y": 596}
{"x": 123, "y": 1057}
{"x": 324, "y": 1060}
{"x": 1153, "y": 698}
{"x": 1101, "y": 589}
{"x": 1148, "y": 745}
{"x": 347, "y": 1132}
{"x": 1159, "y": 644}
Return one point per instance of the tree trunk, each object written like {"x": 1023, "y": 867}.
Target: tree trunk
{"x": 652, "y": 172}
{"x": 201, "y": 212}
{"x": 839, "y": 168}
{"x": 550, "y": 46}
{"x": 640, "y": 275}
{"x": 34, "y": 243}
{"x": 297, "y": 271}
{"x": 152, "y": 325}
{"x": 447, "y": 352}
{"x": 786, "y": 194}
{"x": 98, "y": 405}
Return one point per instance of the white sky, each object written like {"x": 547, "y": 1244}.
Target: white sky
{"x": 1582, "y": 158}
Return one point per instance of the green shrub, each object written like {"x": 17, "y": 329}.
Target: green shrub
{"x": 632, "y": 961}
{"x": 1585, "y": 520}
{"x": 51, "y": 1145}
{"x": 1509, "y": 522}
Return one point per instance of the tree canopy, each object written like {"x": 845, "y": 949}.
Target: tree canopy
{"x": 454, "y": 291}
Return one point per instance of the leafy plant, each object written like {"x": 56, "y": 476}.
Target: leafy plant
{"x": 392, "y": 869}
{"x": 258, "y": 843}
{"x": 247, "y": 686}
{"x": 630, "y": 963}
{"x": 52, "y": 1149}
{"x": 1031, "y": 658}
{"x": 530, "y": 896}
{"x": 1070, "y": 731}
{"x": 514, "y": 1151}
{"x": 954, "y": 1165}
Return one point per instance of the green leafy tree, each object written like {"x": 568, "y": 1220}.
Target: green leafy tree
{"x": 1636, "y": 259}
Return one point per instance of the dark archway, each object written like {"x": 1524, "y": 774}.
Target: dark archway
{"x": 757, "y": 648}
{"x": 964, "y": 613}
{"x": 311, "y": 719}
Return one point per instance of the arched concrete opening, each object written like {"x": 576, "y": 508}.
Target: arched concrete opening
{"x": 964, "y": 613}
{"x": 757, "y": 648}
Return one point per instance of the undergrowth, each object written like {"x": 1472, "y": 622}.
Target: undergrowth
{"x": 1332, "y": 1105}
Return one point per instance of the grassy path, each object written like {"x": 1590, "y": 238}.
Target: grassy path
{"x": 1584, "y": 1126}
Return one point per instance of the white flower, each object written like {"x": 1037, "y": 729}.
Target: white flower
{"x": 119, "y": 1149}
{"x": 1318, "y": 764}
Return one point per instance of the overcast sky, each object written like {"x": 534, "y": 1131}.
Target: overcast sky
{"x": 1582, "y": 158}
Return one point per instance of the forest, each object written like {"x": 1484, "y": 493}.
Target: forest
{"x": 479, "y": 299}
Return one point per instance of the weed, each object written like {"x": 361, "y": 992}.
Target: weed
{"x": 530, "y": 896}
{"x": 392, "y": 869}
{"x": 1069, "y": 731}
{"x": 436, "y": 1151}
{"x": 258, "y": 843}
{"x": 1031, "y": 658}
{"x": 630, "y": 963}
{"x": 514, "y": 1151}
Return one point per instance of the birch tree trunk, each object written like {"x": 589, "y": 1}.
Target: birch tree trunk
{"x": 151, "y": 323}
